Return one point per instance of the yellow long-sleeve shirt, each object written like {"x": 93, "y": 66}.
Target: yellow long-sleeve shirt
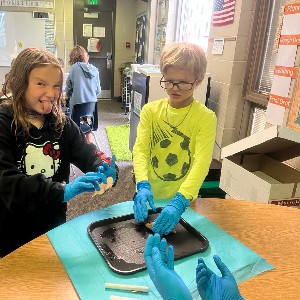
{"x": 173, "y": 148}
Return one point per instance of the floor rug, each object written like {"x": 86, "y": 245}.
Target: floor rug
{"x": 118, "y": 137}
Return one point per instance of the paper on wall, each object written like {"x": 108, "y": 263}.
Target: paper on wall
{"x": 218, "y": 46}
{"x": 281, "y": 86}
{"x": 93, "y": 45}
{"x": 99, "y": 32}
{"x": 275, "y": 114}
{"x": 87, "y": 30}
{"x": 288, "y": 26}
{"x": 286, "y": 55}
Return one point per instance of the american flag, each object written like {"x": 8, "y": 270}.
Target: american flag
{"x": 223, "y": 12}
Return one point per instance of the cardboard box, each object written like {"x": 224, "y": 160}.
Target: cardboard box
{"x": 252, "y": 168}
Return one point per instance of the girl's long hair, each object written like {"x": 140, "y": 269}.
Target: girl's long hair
{"x": 17, "y": 81}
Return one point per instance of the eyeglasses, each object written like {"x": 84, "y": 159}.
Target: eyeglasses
{"x": 181, "y": 85}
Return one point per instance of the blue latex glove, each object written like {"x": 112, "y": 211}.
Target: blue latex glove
{"x": 170, "y": 215}
{"x": 88, "y": 182}
{"x": 166, "y": 280}
{"x": 140, "y": 199}
{"x": 109, "y": 170}
{"x": 213, "y": 287}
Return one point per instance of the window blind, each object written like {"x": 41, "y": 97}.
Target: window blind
{"x": 267, "y": 63}
{"x": 259, "y": 119}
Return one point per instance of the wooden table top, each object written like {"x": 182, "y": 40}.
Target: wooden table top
{"x": 34, "y": 271}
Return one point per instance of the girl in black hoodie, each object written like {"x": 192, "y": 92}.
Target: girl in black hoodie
{"x": 37, "y": 145}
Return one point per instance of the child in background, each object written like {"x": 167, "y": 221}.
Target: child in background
{"x": 83, "y": 83}
{"x": 175, "y": 139}
{"x": 37, "y": 145}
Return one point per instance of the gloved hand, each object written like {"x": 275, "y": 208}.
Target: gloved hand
{"x": 140, "y": 199}
{"x": 165, "y": 279}
{"x": 88, "y": 182}
{"x": 213, "y": 287}
{"x": 170, "y": 215}
{"x": 109, "y": 170}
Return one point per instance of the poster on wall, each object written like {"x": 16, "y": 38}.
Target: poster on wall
{"x": 160, "y": 39}
{"x": 140, "y": 38}
{"x": 93, "y": 45}
{"x": 284, "y": 104}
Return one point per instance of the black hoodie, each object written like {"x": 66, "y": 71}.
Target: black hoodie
{"x": 31, "y": 172}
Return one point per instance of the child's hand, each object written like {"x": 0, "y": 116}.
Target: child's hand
{"x": 212, "y": 286}
{"x": 88, "y": 182}
{"x": 143, "y": 195}
{"x": 170, "y": 215}
{"x": 109, "y": 170}
{"x": 160, "y": 266}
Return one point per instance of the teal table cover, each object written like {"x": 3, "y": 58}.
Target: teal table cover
{"x": 89, "y": 272}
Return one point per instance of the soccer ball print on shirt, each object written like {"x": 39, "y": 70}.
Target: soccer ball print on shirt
{"x": 170, "y": 154}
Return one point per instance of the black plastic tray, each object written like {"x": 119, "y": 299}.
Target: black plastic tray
{"x": 121, "y": 241}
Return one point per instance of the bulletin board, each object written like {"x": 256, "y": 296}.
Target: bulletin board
{"x": 19, "y": 30}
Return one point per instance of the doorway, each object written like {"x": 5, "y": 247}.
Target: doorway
{"x": 94, "y": 32}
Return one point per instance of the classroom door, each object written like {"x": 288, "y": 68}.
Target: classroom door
{"x": 101, "y": 25}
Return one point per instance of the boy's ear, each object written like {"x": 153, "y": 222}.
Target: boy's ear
{"x": 198, "y": 82}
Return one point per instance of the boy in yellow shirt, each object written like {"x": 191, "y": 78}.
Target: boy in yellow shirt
{"x": 175, "y": 139}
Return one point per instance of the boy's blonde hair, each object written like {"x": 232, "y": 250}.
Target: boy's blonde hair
{"x": 78, "y": 54}
{"x": 61, "y": 62}
{"x": 17, "y": 81}
{"x": 186, "y": 56}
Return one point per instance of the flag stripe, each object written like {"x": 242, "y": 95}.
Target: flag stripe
{"x": 225, "y": 15}
{"x": 223, "y": 20}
